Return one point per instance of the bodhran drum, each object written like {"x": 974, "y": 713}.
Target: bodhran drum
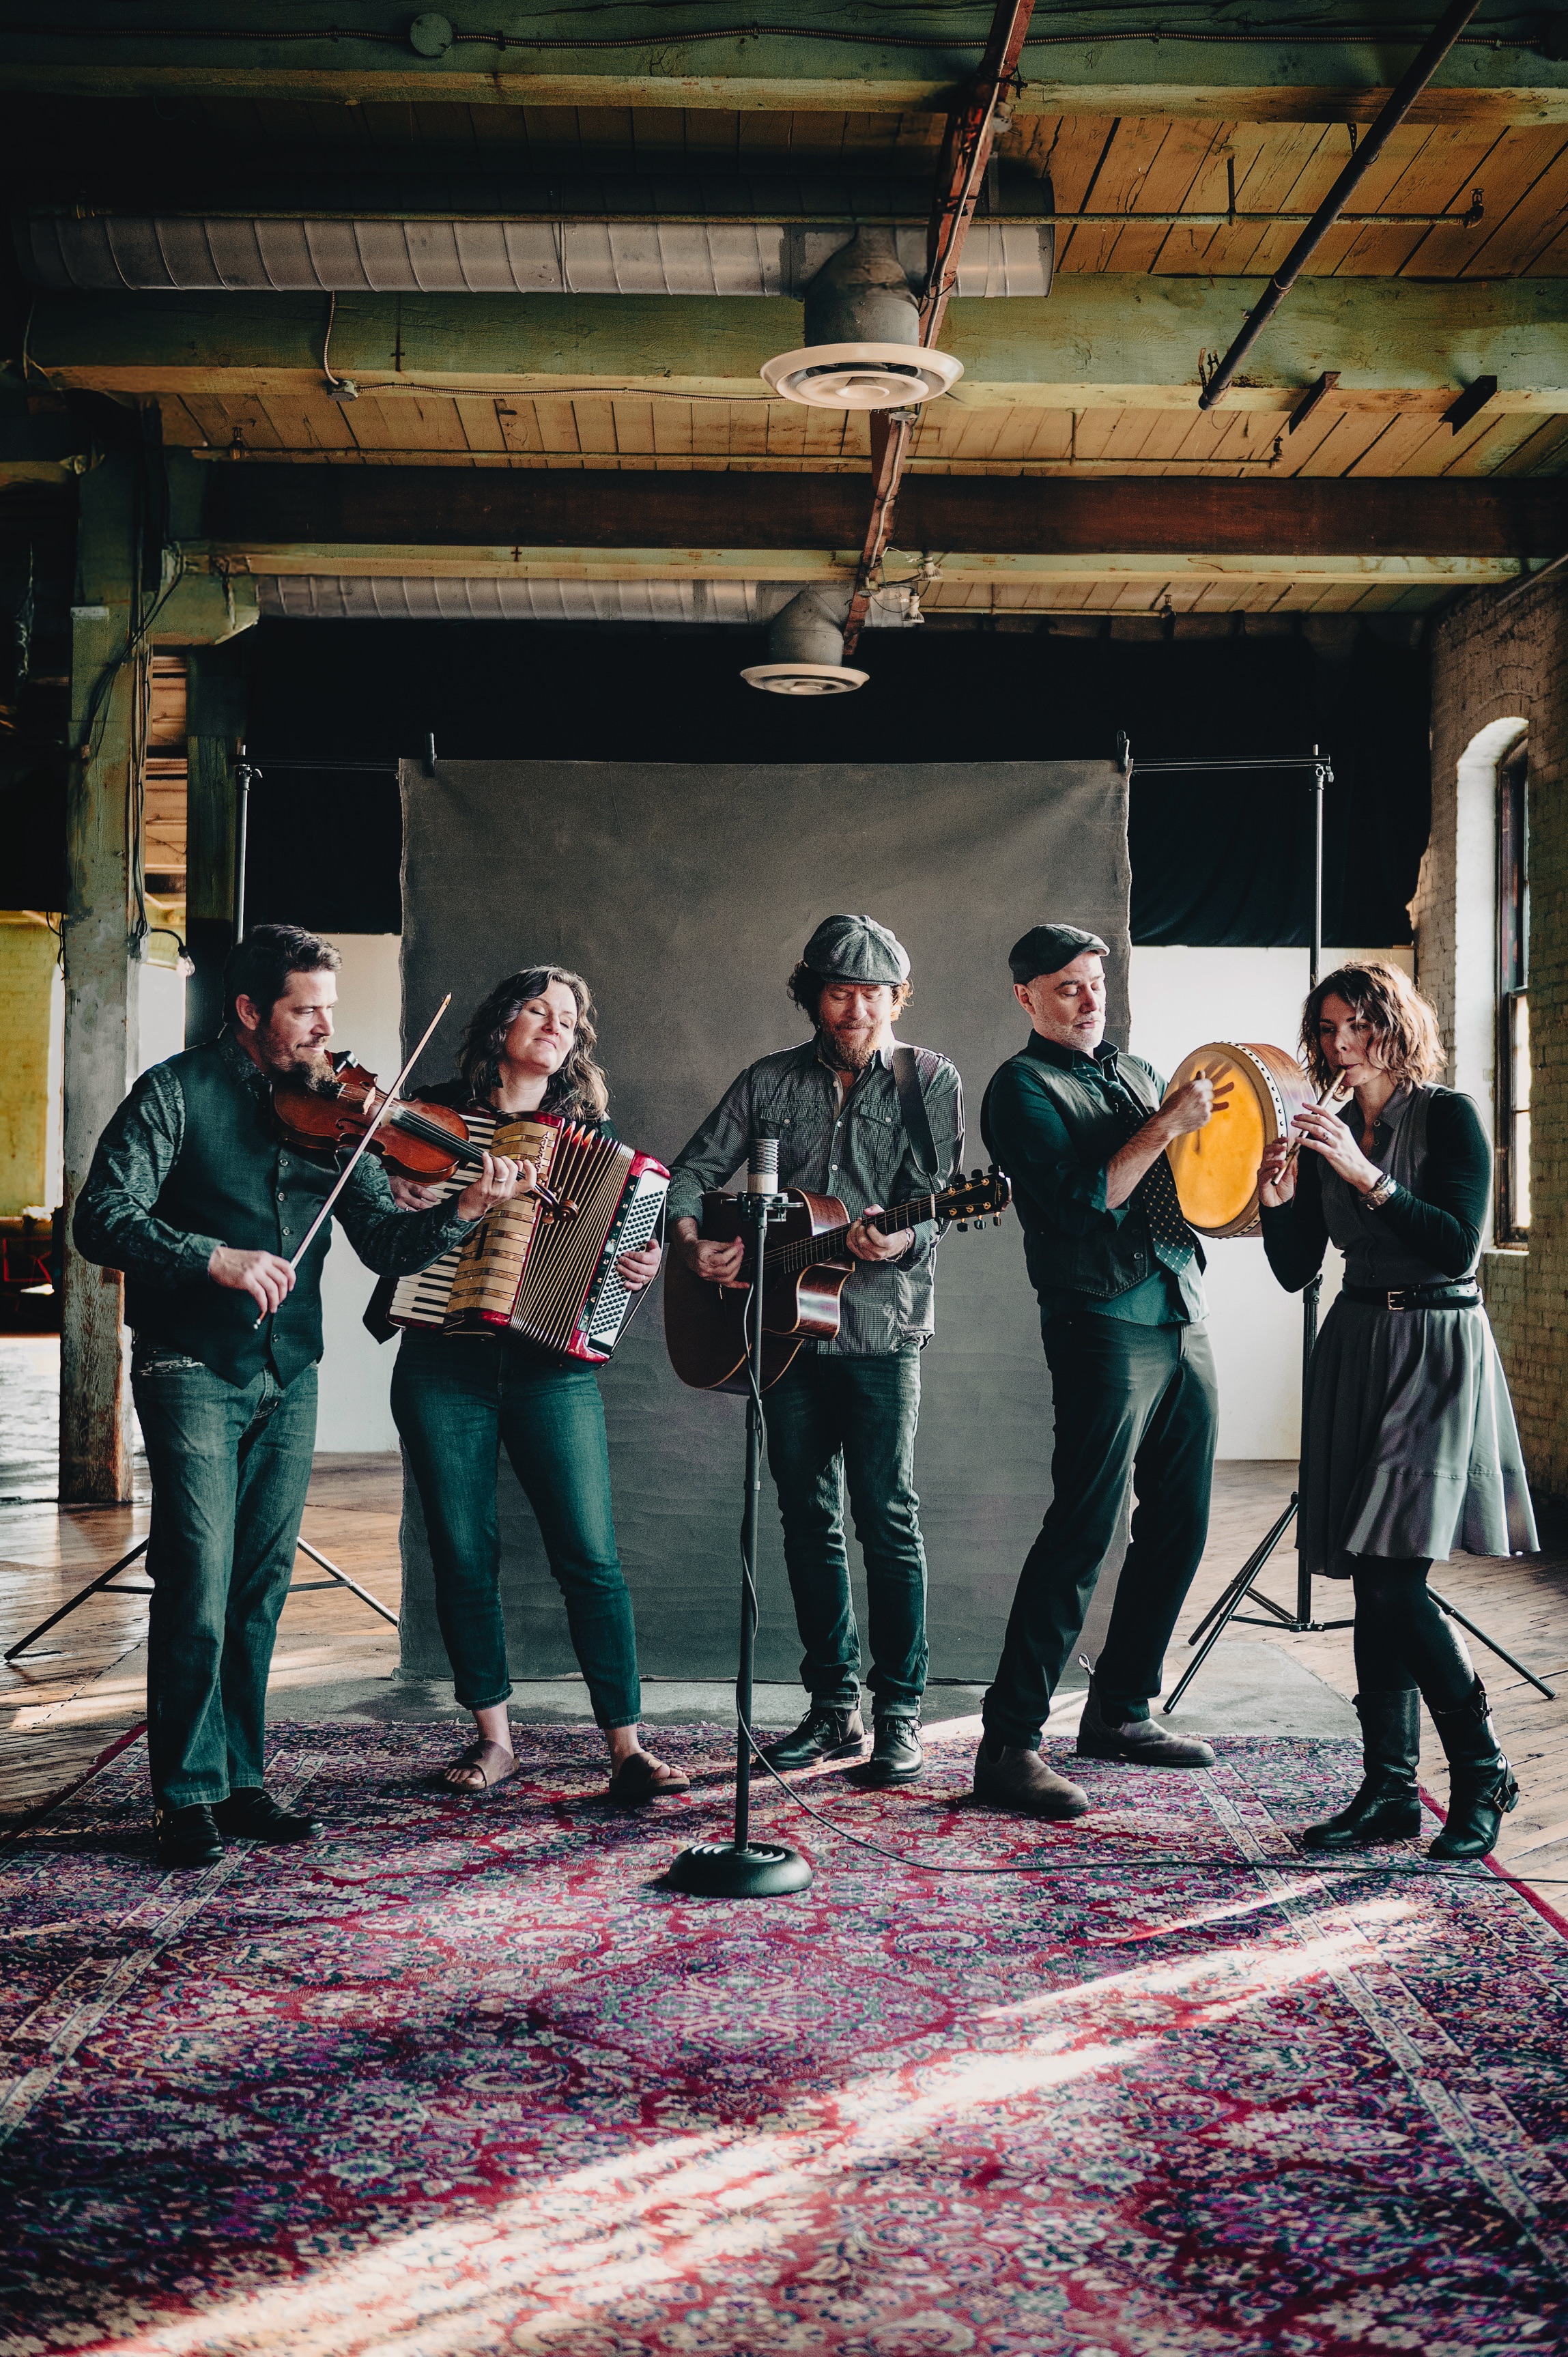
{"x": 1216, "y": 1167}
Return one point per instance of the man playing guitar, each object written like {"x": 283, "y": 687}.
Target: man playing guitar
{"x": 847, "y": 1408}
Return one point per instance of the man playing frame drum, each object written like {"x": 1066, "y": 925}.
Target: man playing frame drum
{"x": 1081, "y": 1132}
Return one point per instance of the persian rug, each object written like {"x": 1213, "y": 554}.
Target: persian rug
{"x": 465, "y": 2077}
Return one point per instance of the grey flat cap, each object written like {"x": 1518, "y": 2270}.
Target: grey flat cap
{"x": 857, "y": 949}
{"x": 1046, "y": 949}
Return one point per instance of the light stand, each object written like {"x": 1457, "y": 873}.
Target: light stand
{"x": 742, "y": 1869}
{"x": 1241, "y": 1590}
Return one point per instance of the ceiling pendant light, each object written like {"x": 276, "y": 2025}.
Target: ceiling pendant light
{"x": 805, "y": 648}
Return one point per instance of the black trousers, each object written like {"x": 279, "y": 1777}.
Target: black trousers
{"x": 1134, "y": 1403}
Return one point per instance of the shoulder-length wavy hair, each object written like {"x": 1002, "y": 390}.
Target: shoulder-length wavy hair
{"x": 579, "y": 1088}
{"x": 1405, "y": 1038}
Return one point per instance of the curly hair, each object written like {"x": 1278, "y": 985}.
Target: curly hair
{"x": 578, "y": 1089}
{"x": 805, "y": 987}
{"x": 1406, "y": 1041}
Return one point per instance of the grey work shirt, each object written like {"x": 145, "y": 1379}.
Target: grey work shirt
{"x": 117, "y": 1221}
{"x": 853, "y": 1146}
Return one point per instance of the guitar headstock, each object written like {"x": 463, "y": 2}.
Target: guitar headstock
{"x": 984, "y": 1193}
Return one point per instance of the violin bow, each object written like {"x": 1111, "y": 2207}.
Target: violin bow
{"x": 388, "y": 1101}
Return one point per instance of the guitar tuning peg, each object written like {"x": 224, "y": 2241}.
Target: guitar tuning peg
{"x": 963, "y": 1227}
{"x": 996, "y": 1223}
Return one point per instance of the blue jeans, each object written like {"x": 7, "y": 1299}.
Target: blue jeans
{"x": 830, "y": 1419}
{"x": 231, "y": 1465}
{"x": 459, "y": 1399}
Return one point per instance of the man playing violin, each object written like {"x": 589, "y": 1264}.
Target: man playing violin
{"x": 847, "y": 1408}
{"x": 196, "y": 1195}
{"x": 1082, "y": 1130}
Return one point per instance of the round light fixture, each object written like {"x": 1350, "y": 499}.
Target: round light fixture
{"x": 804, "y": 678}
{"x": 861, "y": 376}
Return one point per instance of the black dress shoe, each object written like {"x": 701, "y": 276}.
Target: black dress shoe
{"x": 252, "y": 1815}
{"x": 824, "y": 1733}
{"x": 188, "y": 1836}
{"x": 896, "y": 1754}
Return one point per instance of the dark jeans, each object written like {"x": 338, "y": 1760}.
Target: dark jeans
{"x": 457, "y": 1401}
{"x": 231, "y": 1465}
{"x": 829, "y": 1418}
{"x": 1134, "y": 1403}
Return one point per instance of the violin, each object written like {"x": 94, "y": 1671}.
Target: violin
{"x": 421, "y": 1141}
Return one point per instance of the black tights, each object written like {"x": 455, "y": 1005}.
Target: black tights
{"x": 1402, "y": 1638}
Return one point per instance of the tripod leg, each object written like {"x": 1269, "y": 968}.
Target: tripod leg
{"x": 15, "y": 1652}
{"x": 352, "y": 1584}
{"x": 1230, "y": 1604}
{"x": 1490, "y": 1643}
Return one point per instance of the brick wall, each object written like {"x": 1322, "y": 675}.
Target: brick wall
{"x": 1488, "y": 665}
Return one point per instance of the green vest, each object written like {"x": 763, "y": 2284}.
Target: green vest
{"x": 234, "y": 1178}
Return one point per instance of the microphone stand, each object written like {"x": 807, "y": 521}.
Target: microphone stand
{"x": 741, "y": 1867}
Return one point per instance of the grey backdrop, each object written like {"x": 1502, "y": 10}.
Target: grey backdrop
{"x": 684, "y": 896}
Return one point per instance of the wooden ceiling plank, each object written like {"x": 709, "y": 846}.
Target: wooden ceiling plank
{"x": 477, "y": 423}
{"x": 1543, "y": 451}
{"x": 1512, "y": 244}
{"x": 632, "y": 425}
{"x": 1117, "y": 183}
{"x": 594, "y": 416}
{"x": 1513, "y": 169}
{"x": 558, "y": 418}
{"x": 659, "y": 137}
{"x": 1393, "y": 451}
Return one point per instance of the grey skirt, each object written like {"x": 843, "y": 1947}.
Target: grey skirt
{"x": 1411, "y": 1448}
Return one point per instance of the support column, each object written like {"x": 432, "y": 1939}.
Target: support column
{"x": 101, "y": 974}
{"x": 215, "y": 705}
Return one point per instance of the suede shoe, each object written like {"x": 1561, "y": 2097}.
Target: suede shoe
{"x": 252, "y": 1815}
{"x": 825, "y": 1733}
{"x": 896, "y": 1754}
{"x": 188, "y": 1836}
{"x": 1139, "y": 1740}
{"x": 1009, "y": 1776}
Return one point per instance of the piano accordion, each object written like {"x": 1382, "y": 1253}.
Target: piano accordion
{"x": 525, "y": 1271}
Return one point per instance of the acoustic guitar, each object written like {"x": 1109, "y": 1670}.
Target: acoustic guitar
{"x": 807, "y": 1267}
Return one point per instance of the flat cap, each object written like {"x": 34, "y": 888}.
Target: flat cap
{"x": 857, "y": 949}
{"x": 1046, "y": 949}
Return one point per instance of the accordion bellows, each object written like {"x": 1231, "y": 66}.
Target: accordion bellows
{"x": 524, "y": 1271}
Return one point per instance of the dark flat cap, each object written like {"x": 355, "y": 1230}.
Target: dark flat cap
{"x": 1046, "y": 949}
{"x": 857, "y": 949}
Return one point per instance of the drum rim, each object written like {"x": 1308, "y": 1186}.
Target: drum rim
{"x": 1249, "y": 1221}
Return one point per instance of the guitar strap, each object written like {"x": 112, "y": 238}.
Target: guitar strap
{"x": 908, "y": 1080}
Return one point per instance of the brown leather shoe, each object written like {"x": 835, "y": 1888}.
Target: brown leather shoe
{"x": 642, "y": 1778}
{"x": 1020, "y": 1780}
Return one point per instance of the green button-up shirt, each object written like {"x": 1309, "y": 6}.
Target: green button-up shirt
{"x": 1056, "y": 1146}
{"x": 853, "y": 1145}
{"x": 116, "y": 1219}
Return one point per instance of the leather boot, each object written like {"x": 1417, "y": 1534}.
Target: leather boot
{"x": 1482, "y": 1786}
{"x": 1106, "y": 1735}
{"x": 188, "y": 1836}
{"x": 1010, "y": 1776}
{"x": 825, "y": 1733}
{"x": 252, "y": 1815}
{"x": 1387, "y": 1805}
{"x": 896, "y": 1754}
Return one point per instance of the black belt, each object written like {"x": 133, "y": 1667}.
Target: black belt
{"x": 1415, "y": 1297}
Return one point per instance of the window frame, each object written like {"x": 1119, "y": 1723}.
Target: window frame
{"x": 1512, "y": 1216}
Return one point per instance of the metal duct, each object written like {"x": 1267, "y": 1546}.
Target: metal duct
{"x": 340, "y": 598}
{"x": 112, "y": 253}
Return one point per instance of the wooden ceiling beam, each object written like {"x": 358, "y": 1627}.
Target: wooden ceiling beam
{"x": 1098, "y": 341}
{"x": 312, "y": 513}
{"x": 358, "y": 50}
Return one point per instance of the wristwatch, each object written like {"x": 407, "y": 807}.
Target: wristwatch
{"x": 1376, "y": 1197}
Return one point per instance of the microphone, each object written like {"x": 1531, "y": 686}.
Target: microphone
{"x": 762, "y": 1166}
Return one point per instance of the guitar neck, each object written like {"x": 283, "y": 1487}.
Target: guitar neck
{"x": 786, "y": 1260}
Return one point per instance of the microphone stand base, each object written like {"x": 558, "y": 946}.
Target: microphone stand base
{"x": 718, "y": 1870}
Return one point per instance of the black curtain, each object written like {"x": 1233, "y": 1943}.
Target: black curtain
{"x": 1222, "y": 861}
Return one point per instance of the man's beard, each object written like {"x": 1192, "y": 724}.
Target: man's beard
{"x": 311, "y": 1065}
{"x": 850, "y": 1053}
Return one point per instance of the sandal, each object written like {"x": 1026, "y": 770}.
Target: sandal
{"x": 642, "y": 1778}
{"x": 494, "y": 1764}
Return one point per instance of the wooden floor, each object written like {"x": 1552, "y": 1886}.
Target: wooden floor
{"x": 84, "y": 1687}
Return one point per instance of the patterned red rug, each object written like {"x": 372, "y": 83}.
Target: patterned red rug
{"x": 463, "y": 2077}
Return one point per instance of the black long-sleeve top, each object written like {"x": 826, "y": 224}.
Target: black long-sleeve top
{"x": 1441, "y": 1225}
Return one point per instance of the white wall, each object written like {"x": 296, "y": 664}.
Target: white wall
{"x": 1181, "y": 999}
{"x": 356, "y": 1373}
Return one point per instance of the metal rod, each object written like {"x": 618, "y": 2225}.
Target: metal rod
{"x": 343, "y": 1581}
{"x": 1402, "y": 97}
{"x": 1491, "y": 1644}
{"x": 1221, "y": 1617}
{"x": 244, "y": 776}
{"x": 750, "y": 1520}
{"x": 94, "y": 1588}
